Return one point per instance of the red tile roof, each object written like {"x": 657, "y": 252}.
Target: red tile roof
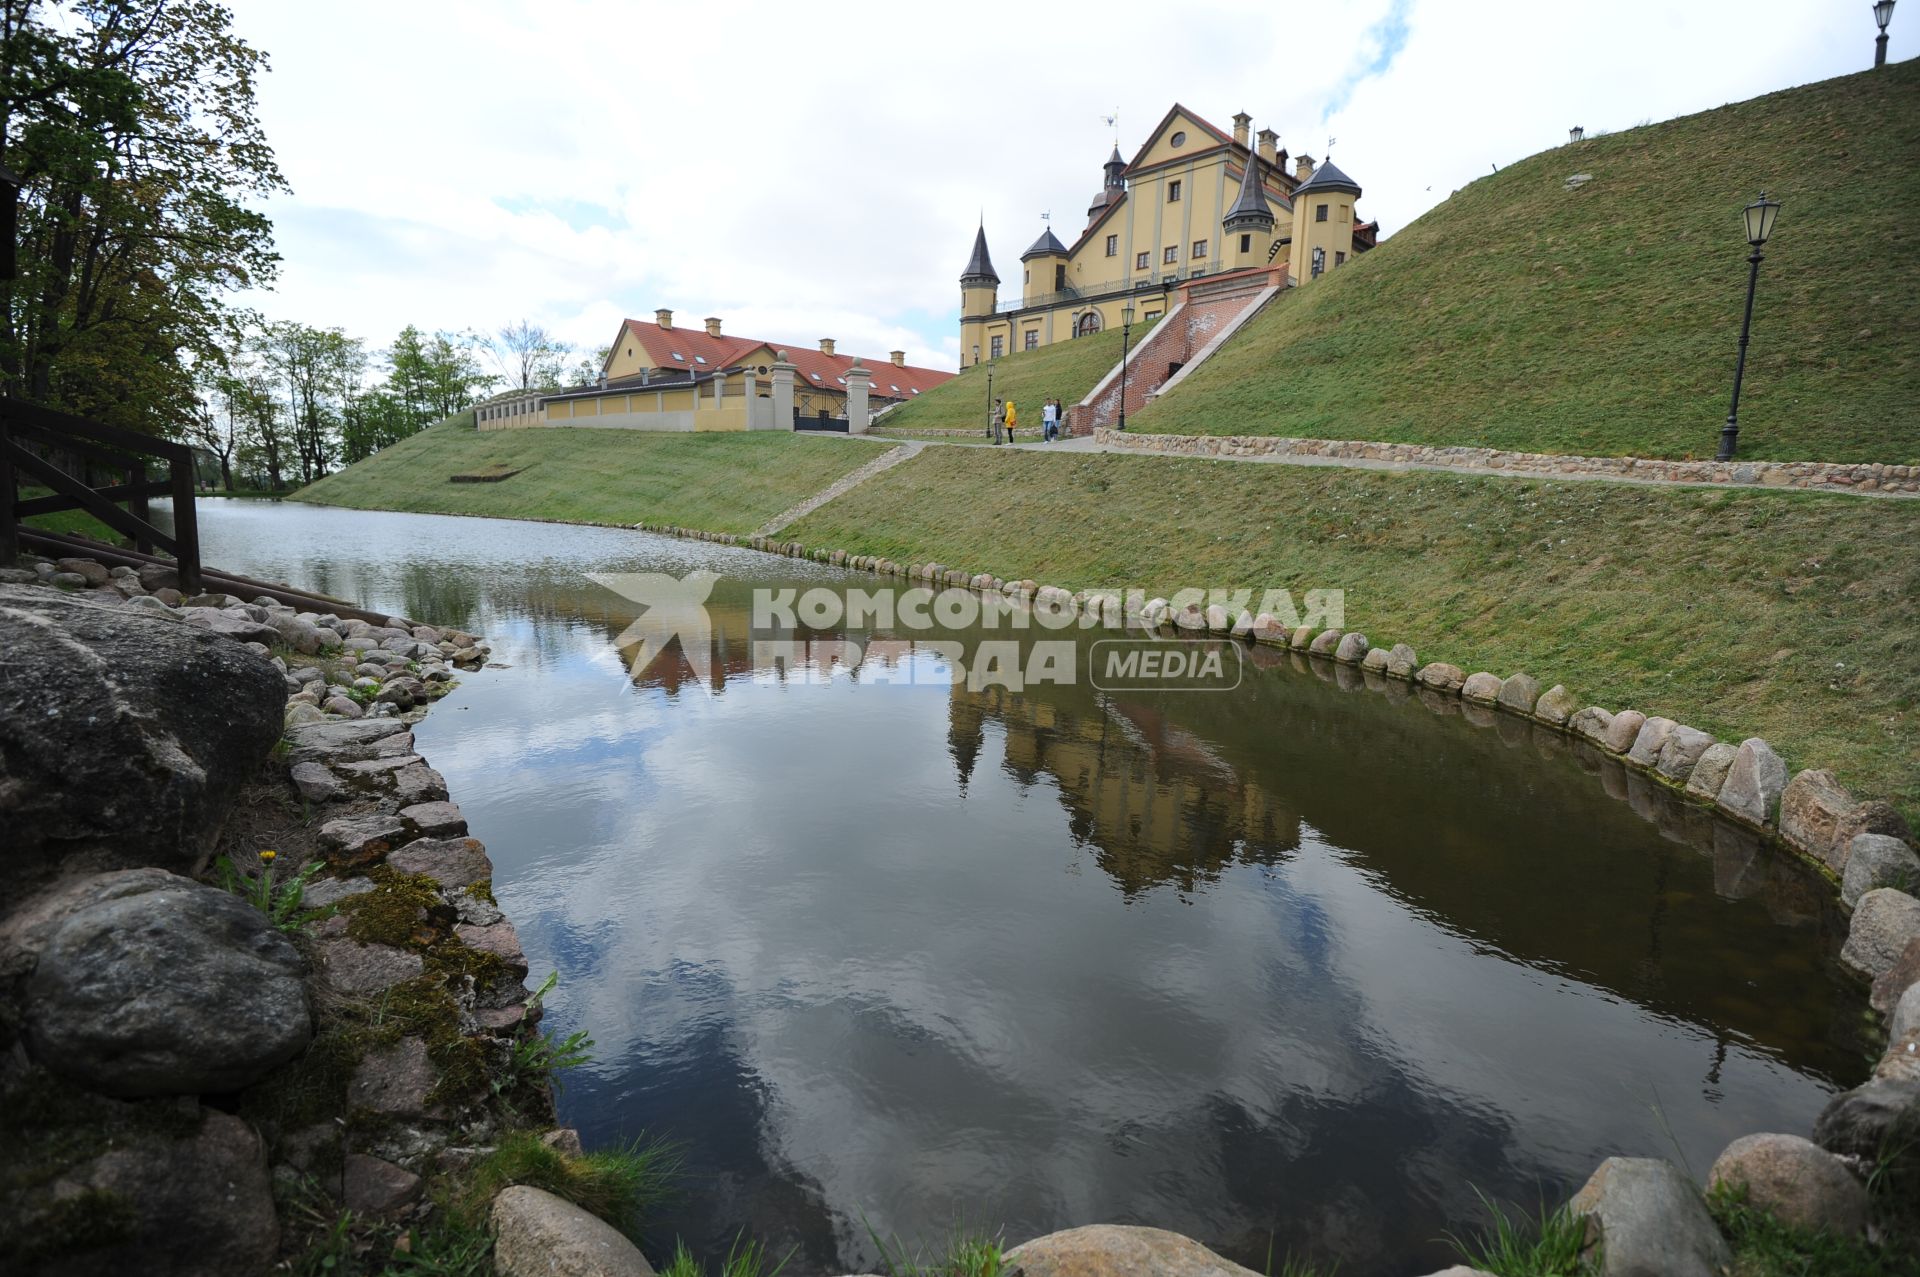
{"x": 816, "y": 369}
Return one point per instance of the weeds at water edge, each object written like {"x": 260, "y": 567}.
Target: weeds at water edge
{"x": 745, "y": 1258}
{"x": 620, "y": 1185}
{"x": 966, "y": 1254}
{"x": 279, "y": 902}
{"x": 1549, "y": 1246}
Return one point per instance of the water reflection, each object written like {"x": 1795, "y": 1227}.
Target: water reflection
{"x": 1305, "y": 962}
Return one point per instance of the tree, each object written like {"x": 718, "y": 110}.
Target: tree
{"x": 527, "y": 355}
{"x": 587, "y": 370}
{"x": 131, "y": 124}
{"x": 321, "y": 370}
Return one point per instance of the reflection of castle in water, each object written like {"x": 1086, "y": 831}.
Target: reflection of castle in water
{"x": 1154, "y": 801}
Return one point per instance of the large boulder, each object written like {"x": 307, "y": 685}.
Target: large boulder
{"x": 1812, "y": 810}
{"x": 1648, "y": 1220}
{"x": 1891, "y": 986}
{"x": 1878, "y": 860}
{"x": 1796, "y": 1181}
{"x": 173, "y": 988}
{"x": 1556, "y": 706}
{"x": 1684, "y": 748}
{"x": 1710, "y": 771}
{"x": 1519, "y": 692}
{"x": 1481, "y": 688}
{"x": 536, "y": 1234}
{"x": 1754, "y": 783}
{"x": 195, "y": 1207}
{"x": 1885, "y": 921}
{"x": 1650, "y": 740}
{"x": 1441, "y": 677}
{"x": 1880, "y": 1115}
{"x": 1119, "y": 1250}
{"x": 122, "y": 737}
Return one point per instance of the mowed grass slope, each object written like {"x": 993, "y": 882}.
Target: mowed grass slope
{"x": 724, "y": 482}
{"x": 1605, "y": 320}
{"x": 1065, "y": 371}
{"x": 1790, "y": 616}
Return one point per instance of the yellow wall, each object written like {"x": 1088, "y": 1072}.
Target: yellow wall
{"x": 1145, "y": 222}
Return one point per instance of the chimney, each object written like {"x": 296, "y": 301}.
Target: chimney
{"x": 713, "y": 325}
{"x": 1268, "y": 140}
{"x": 826, "y": 345}
{"x": 899, "y": 358}
{"x": 1241, "y": 122}
{"x": 1303, "y": 167}
{"x": 664, "y": 318}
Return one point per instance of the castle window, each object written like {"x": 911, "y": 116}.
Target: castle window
{"x": 1246, "y": 243}
{"x": 1178, "y": 139}
{"x": 1113, "y": 245}
{"x": 1140, "y": 261}
{"x": 1319, "y": 262}
{"x": 1032, "y": 340}
{"x": 1171, "y": 255}
{"x": 1150, "y": 316}
{"x": 1343, "y": 212}
{"x": 1199, "y": 249}
{"x": 1088, "y": 324}
{"x": 1060, "y": 278}
{"x": 1339, "y": 259}
{"x": 1173, "y": 191}
{"x": 999, "y": 347}
{"x": 1319, "y": 212}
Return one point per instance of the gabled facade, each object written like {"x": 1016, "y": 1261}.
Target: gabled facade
{"x": 1195, "y": 201}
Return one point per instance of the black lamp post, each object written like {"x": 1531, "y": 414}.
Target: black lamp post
{"x": 1759, "y": 219}
{"x": 989, "y": 398}
{"x": 1126, "y": 328}
{"x": 1882, "y": 14}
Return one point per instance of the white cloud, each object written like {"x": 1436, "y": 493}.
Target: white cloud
{"x": 805, "y": 171}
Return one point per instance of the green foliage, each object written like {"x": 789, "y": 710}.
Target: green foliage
{"x": 964, "y": 1253}
{"x": 620, "y": 1185}
{"x": 745, "y": 1258}
{"x": 1765, "y": 1246}
{"x": 1791, "y": 616}
{"x": 1066, "y": 371}
{"x": 1547, "y": 1246}
{"x": 726, "y": 482}
{"x": 1604, "y": 320}
{"x": 538, "y": 1058}
{"x": 280, "y": 902}
{"x": 132, "y": 127}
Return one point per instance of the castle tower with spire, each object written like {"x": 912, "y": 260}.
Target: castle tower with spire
{"x": 1195, "y": 202}
{"x": 979, "y": 299}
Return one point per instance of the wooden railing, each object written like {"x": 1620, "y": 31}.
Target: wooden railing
{"x": 124, "y": 454}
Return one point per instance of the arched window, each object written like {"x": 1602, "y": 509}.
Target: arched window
{"x": 1087, "y": 325}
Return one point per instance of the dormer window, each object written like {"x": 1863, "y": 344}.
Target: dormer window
{"x": 682, "y": 358}
{"x": 699, "y": 359}
{"x": 841, "y": 380}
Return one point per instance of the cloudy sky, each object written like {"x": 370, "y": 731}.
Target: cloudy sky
{"x": 816, "y": 170}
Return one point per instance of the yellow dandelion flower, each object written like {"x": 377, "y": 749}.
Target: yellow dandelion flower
{"x": 268, "y": 855}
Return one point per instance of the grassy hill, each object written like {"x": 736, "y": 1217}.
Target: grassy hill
{"x": 1065, "y": 371}
{"x": 726, "y": 482}
{"x": 1793, "y": 616}
{"x": 1605, "y": 319}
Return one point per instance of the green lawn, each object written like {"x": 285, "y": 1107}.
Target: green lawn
{"x": 1790, "y": 616}
{"x": 71, "y": 522}
{"x": 1065, "y": 371}
{"x": 724, "y": 482}
{"x": 1605, "y": 320}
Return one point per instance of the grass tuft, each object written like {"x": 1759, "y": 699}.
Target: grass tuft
{"x": 1765, "y": 1246}
{"x": 1547, "y": 1246}
{"x": 620, "y": 1185}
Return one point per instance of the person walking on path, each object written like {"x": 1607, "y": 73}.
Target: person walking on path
{"x": 1013, "y": 417}
{"x": 1050, "y": 421}
{"x": 999, "y": 418}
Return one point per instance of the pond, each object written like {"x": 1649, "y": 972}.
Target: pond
{"x": 1302, "y": 965}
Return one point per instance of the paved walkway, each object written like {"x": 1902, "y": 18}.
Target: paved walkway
{"x": 1514, "y": 466}
{"x": 845, "y": 483}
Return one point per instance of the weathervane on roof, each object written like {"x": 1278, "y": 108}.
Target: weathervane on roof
{"x": 1113, "y": 122}
{"x": 1330, "y": 142}
{"x": 1046, "y": 217}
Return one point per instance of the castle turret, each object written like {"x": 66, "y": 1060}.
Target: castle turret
{"x": 1045, "y": 267}
{"x": 1249, "y": 223}
{"x": 1323, "y": 221}
{"x": 979, "y": 295}
{"x": 1111, "y": 188}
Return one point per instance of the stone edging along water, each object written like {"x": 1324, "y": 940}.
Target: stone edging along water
{"x": 1822, "y": 476}
{"x": 1864, "y": 846}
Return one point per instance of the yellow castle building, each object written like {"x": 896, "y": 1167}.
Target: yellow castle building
{"x": 1193, "y": 203}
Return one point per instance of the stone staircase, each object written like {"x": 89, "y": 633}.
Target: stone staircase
{"x": 845, "y": 483}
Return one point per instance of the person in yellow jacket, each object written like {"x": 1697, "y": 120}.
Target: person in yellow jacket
{"x": 1012, "y": 420}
